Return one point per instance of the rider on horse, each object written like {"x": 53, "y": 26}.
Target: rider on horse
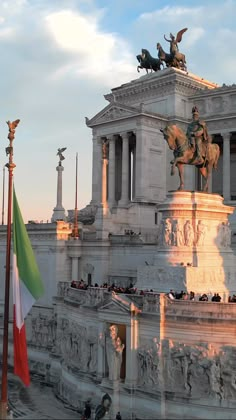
{"x": 197, "y": 135}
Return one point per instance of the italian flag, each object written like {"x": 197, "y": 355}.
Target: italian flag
{"x": 27, "y": 288}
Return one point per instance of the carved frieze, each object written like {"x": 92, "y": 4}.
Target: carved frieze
{"x": 43, "y": 331}
{"x": 180, "y": 232}
{"x": 77, "y": 345}
{"x": 195, "y": 370}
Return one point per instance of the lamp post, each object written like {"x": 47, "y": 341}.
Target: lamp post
{"x": 10, "y": 165}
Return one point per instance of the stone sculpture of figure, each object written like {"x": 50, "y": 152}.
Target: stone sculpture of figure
{"x": 114, "y": 350}
{"x": 197, "y": 134}
{"x": 227, "y": 234}
{"x": 103, "y": 408}
{"x": 178, "y": 239}
{"x": 59, "y": 153}
{"x": 160, "y": 233}
{"x": 167, "y": 232}
{"x": 224, "y": 233}
{"x": 188, "y": 234}
{"x": 215, "y": 379}
{"x": 105, "y": 149}
{"x": 201, "y": 231}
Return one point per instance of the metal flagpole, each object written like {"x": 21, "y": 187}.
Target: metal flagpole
{"x": 3, "y": 195}
{"x": 10, "y": 165}
{"x": 75, "y": 231}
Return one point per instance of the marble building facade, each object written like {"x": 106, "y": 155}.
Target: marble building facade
{"x": 178, "y": 358}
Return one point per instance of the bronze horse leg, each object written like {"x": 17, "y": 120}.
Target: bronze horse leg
{"x": 180, "y": 167}
{"x": 206, "y": 173}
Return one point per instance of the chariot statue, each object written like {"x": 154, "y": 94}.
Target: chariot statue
{"x": 174, "y": 58}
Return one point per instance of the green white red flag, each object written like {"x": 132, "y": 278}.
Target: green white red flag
{"x": 27, "y": 288}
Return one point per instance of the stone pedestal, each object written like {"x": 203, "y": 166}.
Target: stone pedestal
{"x": 194, "y": 246}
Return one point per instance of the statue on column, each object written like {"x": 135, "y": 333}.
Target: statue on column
{"x": 114, "y": 351}
{"x": 59, "y": 153}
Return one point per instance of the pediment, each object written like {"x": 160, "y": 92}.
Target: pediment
{"x": 113, "y": 307}
{"x": 120, "y": 304}
{"x": 112, "y": 112}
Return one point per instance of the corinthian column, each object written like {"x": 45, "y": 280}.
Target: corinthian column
{"x": 104, "y": 173}
{"x": 111, "y": 172}
{"x": 226, "y": 166}
{"x": 96, "y": 170}
{"x": 141, "y": 165}
{"x": 125, "y": 170}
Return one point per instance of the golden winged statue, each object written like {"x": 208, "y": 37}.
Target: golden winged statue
{"x": 59, "y": 153}
{"x": 12, "y": 125}
{"x": 12, "y": 128}
{"x": 174, "y": 41}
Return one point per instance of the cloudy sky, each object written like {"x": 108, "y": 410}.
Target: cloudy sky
{"x": 58, "y": 59}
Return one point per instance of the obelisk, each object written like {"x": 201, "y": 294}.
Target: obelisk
{"x": 59, "y": 211}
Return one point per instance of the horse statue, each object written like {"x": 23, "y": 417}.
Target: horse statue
{"x": 148, "y": 62}
{"x": 170, "y": 60}
{"x": 185, "y": 154}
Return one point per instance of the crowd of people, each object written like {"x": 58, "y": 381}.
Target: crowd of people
{"x": 172, "y": 295}
{"x": 111, "y": 288}
{"x": 191, "y": 296}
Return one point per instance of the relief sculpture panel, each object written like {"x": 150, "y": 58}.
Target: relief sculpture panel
{"x": 179, "y": 232}
{"x": 77, "y": 345}
{"x": 196, "y": 371}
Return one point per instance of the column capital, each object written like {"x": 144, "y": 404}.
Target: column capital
{"x": 99, "y": 139}
{"x": 125, "y": 135}
{"x": 111, "y": 137}
{"x": 226, "y": 136}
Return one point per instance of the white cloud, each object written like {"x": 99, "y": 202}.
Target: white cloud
{"x": 93, "y": 53}
{"x": 12, "y": 7}
{"x": 193, "y": 36}
{"x": 171, "y": 13}
{"x": 74, "y": 32}
{"x": 6, "y": 32}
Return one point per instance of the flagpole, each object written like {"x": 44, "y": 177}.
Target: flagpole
{"x": 10, "y": 165}
{"x": 3, "y": 195}
{"x": 75, "y": 231}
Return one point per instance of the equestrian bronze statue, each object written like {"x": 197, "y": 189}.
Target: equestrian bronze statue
{"x": 193, "y": 148}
